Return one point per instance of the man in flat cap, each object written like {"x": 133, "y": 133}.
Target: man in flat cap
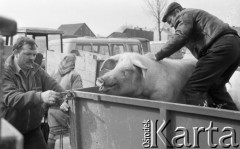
{"x": 213, "y": 43}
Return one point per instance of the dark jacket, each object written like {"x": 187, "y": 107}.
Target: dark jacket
{"x": 197, "y": 30}
{"x": 22, "y": 105}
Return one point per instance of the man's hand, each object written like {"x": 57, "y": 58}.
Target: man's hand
{"x": 64, "y": 106}
{"x": 50, "y": 97}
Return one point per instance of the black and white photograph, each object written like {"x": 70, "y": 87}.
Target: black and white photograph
{"x": 119, "y": 74}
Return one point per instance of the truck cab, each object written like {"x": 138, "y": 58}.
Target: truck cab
{"x": 42, "y": 37}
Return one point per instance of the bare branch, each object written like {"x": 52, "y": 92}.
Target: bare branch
{"x": 156, "y": 9}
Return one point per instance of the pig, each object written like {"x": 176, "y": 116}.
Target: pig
{"x": 135, "y": 75}
{"x": 233, "y": 87}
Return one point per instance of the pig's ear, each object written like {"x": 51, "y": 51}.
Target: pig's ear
{"x": 110, "y": 63}
{"x": 140, "y": 65}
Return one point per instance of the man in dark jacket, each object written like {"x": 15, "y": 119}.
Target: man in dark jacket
{"x": 213, "y": 43}
{"x": 27, "y": 88}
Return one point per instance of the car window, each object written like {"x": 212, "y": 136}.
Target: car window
{"x": 87, "y": 48}
{"x": 133, "y": 48}
{"x": 104, "y": 50}
{"x": 79, "y": 47}
{"x": 128, "y": 48}
{"x": 117, "y": 48}
{"x": 145, "y": 47}
{"x": 84, "y": 47}
{"x": 95, "y": 48}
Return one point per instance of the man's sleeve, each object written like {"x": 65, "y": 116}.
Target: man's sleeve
{"x": 17, "y": 98}
{"x": 49, "y": 83}
{"x": 184, "y": 26}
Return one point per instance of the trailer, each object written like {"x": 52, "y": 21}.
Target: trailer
{"x": 100, "y": 121}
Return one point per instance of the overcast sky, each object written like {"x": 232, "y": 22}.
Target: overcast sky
{"x": 104, "y": 16}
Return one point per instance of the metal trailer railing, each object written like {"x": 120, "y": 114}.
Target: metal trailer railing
{"x": 113, "y": 122}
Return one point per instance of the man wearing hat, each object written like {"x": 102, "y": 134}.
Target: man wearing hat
{"x": 213, "y": 43}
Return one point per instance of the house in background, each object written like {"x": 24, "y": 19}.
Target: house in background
{"x": 133, "y": 33}
{"x": 140, "y": 33}
{"x": 76, "y": 30}
{"x": 118, "y": 35}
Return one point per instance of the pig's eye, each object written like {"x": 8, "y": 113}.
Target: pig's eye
{"x": 126, "y": 72}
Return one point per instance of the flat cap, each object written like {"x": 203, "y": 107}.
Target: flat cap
{"x": 169, "y": 9}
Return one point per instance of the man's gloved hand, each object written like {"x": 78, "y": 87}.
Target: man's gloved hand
{"x": 50, "y": 97}
{"x": 64, "y": 107}
{"x": 159, "y": 56}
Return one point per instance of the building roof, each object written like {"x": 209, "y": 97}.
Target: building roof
{"x": 70, "y": 29}
{"x": 139, "y": 33}
{"x": 118, "y": 35}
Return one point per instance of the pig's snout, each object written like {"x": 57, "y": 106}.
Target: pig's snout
{"x": 100, "y": 83}
{"x": 106, "y": 84}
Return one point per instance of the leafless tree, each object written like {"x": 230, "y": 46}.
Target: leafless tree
{"x": 156, "y": 9}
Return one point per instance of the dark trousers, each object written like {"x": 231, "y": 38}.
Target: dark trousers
{"x": 212, "y": 72}
{"x": 34, "y": 140}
